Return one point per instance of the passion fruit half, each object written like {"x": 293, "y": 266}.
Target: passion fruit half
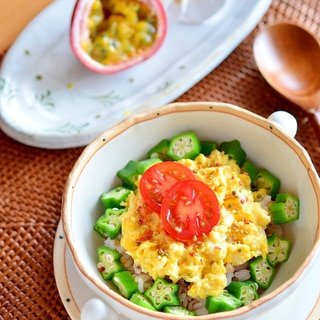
{"x": 109, "y": 36}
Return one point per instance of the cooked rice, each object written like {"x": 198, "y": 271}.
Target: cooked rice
{"x": 144, "y": 280}
{"x": 242, "y": 275}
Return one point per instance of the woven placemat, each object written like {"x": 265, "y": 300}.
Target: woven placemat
{"x": 32, "y": 179}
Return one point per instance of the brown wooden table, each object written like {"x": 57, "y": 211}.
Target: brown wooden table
{"x": 32, "y": 179}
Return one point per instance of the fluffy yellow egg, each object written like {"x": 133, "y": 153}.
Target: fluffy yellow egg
{"x": 238, "y": 237}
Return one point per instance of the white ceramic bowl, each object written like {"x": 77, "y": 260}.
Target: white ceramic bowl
{"x": 265, "y": 143}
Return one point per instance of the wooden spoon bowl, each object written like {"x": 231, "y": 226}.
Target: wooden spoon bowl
{"x": 288, "y": 57}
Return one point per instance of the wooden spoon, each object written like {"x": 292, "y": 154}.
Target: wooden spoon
{"x": 288, "y": 57}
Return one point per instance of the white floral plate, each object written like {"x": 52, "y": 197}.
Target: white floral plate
{"x": 48, "y": 99}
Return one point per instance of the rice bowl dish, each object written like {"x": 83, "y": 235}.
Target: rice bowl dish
{"x": 176, "y": 117}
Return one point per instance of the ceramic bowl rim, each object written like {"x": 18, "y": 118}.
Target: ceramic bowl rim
{"x": 179, "y": 107}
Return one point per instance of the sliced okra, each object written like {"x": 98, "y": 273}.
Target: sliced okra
{"x": 266, "y": 180}
{"x": 129, "y": 174}
{"x": 108, "y": 262}
{"x": 114, "y": 197}
{"x": 160, "y": 150}
{"x": 278, "y": 249}
{"x": 178, "y": 310}
{"x": 125, "y": 283}
{"x": 162, "y": 293}
{"x": 184, "y": 146}
{"x": 234, "y": 150}
{"x": 143, "y": 165}
{"x": 286, "y": 208}
{"x": 262, "y": 272}
{"x": 224, "y": 302}
{"x": 207, "y": 147}
{"x": 251, "y": 170}
{"x": 141, "y": 300}
{"x": 246, "y": 291}
{"x": 109, "y": 225}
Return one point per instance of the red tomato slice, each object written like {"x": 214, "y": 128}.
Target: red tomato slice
{"x": 158, "y": 180}
{"x": 190, "y": 209}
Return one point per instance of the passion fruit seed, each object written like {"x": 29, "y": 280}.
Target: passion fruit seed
{"x": 119, "y": 30}
{"x": 109, "y": 36}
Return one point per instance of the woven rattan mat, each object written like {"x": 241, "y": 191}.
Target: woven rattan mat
{"x": 32, "y": 179}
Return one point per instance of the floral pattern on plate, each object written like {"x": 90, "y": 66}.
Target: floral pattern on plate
{"x": 48, "y": 99}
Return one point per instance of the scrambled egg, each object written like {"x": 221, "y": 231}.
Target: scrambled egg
{"x": 238, "y": 237}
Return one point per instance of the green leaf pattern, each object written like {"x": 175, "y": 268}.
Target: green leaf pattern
{"x": 69, "y": 128}
{"x": 8, "y": 91}
{"x": 165, "y": 86}
{"x": 45, "y": 100}
{"x": 108, "y": 99}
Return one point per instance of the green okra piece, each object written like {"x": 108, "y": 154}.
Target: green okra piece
{"x": 129, "y": 174}
{"x": 266, "y": 180}
{"x": 143, "y": 165}
{"x": 184, "y": 146}
{"x": 108, "y": 262}
{"x": 109, "y": 225}
{"x": 251, "y": 170}
{"x": 224, "y": 302}
{"x": 115, "y": 197}
{"x": 286, "y": 208}
{"x": 262, "y": 272}
{"x": 234, "y": 150}
{"x": 141, "y": 300}
{"x": 160, "y": 150}
{"x": 207, "y": 147}
{"x": 163, "y": 293}
{"x": 278, "y": 249}
{"x": 246, "y": 291}
{"x": 125, "y": 283}
{"x": 178, "y": 310}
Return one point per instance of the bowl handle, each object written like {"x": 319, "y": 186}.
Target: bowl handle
{"x": 286, "y": 121}
{"x": 94, "y": 308}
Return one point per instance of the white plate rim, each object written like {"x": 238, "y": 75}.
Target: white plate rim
{"x": 81, "y": 134}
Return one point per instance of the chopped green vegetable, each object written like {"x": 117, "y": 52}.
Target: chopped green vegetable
{"x": 109, "y": 225}
{"x": 262, "y": 272}
{"x": 246, "y": 291}
{"x": 278, "y": 249}
{"x": 160, "y": 150}
{"x": 108, "y": 262}
{"x": 224, "y": 302}
{"x": 207, "y": 147}
{"x": 125, "y": 283}
{"x": 143, "y": 165}
{"x": 178, "y": 310}
{"x": 114, "y": 197}
{"x": 129, "y": 174}
{"x": 251, "y": 170}
{"x": 234, "y": 150}
{"x": 184, "y": 146}
{"x": 285, "y": 209}
{"x": 141, "y": 300}
{"x": 162, "y": 293}
{"x": 266, "y": 180}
